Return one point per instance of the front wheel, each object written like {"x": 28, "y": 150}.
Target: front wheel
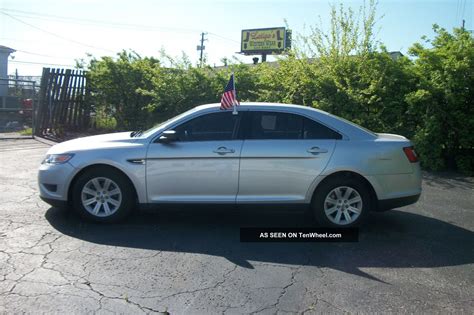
{"x": 103, "y": 195}
{"x": 341, "y": 203}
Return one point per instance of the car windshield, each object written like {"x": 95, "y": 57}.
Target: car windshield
{"x": 165, "y": 123}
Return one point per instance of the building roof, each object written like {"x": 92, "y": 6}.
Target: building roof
{"x": 6, "y": 49}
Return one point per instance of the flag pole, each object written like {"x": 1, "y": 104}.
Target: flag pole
{"x": 234, "y": 112}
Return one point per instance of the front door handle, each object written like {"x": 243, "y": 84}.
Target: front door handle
{"x": 316, "y": 150}
{"x": 223, "y": 150}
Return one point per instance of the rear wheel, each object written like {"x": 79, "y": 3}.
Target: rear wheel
{"x": 103, "y": 195}
{"x": 341, "y": 202}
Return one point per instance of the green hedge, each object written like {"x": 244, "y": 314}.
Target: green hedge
{"x": 428, "y": 99}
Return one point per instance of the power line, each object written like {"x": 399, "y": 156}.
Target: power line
{"x": 28, "y": 40}
{"x": 34, "y": 53}
{"x": 82, "y": 21}
{"x": 42, "y": 55}
{"x": 13, "y": 14}
{"x": 40, "y": 63}
{"x": 226, "y": 38}
{"x": 56, "y": 35}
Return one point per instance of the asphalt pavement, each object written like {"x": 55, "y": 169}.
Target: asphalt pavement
{"x": 414, "y": 259}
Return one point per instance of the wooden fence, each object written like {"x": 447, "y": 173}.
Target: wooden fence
{"x": 62, "y": 103}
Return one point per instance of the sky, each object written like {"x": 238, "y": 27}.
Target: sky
{"x": 55, "y": 33}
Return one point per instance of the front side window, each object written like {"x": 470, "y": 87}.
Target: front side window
{"x": 209, "y": 127}
{"x": 275, "y": 125}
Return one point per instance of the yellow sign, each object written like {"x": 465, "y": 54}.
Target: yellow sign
{"x": 264, "y": 40}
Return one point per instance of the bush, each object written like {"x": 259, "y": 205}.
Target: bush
{"x": 443, "y": 100}
{"x": 343, "y": 71}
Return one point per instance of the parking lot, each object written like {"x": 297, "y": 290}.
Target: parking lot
{"x": 190, "y": 261}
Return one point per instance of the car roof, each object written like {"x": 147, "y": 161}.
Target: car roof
{"x": 349, "y": 129}
{"x": 266, "y": 105}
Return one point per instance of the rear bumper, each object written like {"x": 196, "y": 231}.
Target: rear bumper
{"x": 387, "y": 204}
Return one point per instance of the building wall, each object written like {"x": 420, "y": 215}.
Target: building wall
{"x": 3, "y": 73}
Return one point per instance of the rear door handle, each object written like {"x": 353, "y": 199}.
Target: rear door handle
{"x": 223, "y": 150}
{"x": 316, "y": 150}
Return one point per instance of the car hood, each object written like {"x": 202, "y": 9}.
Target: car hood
{"x": 110, "y": 140}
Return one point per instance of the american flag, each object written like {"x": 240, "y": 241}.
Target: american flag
{"x": 229, "y": 98}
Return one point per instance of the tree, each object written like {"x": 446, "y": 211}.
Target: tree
{"x": 344, "y": 70}
{"x": 443, "y": 99}
{"x": 117, "y": 87}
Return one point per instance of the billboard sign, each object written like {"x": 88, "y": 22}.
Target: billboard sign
{"x": 263, "y": 41}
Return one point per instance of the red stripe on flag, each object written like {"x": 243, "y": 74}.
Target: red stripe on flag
{"x": 229, "y": 98}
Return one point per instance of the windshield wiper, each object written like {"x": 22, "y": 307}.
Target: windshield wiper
{"x": 136, "y": 133}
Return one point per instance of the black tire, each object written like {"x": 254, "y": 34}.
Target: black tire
{"x": 327, "y": 187}
{"x": 120, "y": 208}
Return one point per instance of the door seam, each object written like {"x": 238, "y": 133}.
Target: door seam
{"x": 238, "y": 177}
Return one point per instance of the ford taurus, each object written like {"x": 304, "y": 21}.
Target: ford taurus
{"x": 264, "y": 154}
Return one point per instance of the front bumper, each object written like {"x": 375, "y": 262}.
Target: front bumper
{"x": 54, "y": 181}
{"x": 61, "y": 204}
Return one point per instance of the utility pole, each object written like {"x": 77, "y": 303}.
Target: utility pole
{"x": 201, "y": 47}
{"x": 16, "y": 78}
{"x": 463, "y": 24}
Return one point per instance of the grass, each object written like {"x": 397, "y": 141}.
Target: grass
{"x": 104, "y": 122}
{"x": 26, "y": 132}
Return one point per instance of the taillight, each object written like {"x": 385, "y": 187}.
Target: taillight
{"x": 411, "y": 154}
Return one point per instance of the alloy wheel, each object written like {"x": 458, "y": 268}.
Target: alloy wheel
{"x": 101, "y": 196}
{"x": 343, "y": 205}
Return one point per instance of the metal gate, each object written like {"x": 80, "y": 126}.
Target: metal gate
{"x": 18, "y": 104}
{"x": 62, "y": 107}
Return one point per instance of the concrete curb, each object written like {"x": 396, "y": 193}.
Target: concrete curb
{"x": 45, "y": 141}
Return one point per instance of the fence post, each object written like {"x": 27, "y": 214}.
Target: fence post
{"x": 33, "y": 114}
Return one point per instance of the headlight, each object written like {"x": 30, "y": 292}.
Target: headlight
{"x": 57, "y": 158}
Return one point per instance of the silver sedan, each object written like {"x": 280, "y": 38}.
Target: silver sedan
{"x": 263, "y": 154}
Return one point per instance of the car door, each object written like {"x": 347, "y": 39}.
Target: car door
{"x": 282, "y": 155}
{"x": 201, "y": 166}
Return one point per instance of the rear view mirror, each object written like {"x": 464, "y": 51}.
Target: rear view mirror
{"x": 168, "y": 136}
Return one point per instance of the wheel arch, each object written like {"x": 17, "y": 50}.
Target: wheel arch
{"x": 353, "y": 175}
{"x": 99, "y": 166}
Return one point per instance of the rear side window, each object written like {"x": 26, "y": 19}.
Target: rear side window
{"x": 209, "y": 127}
{"x": 267, "y": 125}
{"x": 274, "y": 125}
{"x": 314, "y": 130}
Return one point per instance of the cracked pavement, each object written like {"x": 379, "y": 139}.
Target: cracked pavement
{"x": 190, "y": 261}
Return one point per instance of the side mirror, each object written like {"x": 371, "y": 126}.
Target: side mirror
{"x": 168, "y": 136}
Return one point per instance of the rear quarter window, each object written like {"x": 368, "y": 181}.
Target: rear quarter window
{"x": 315, "y": 130}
